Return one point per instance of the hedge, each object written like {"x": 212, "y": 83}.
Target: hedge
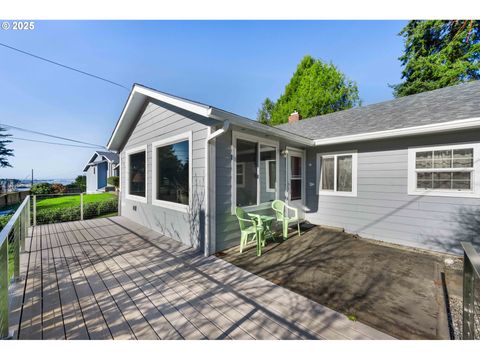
{"x": 72, "y": 213}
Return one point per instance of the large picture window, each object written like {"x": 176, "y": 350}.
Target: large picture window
{"x": 136, "y": 163}
{"x": 442, "y": 170}
{"x": 172, "y": 172}
{"x": 337, "y": 174}
{"x": 255, "y": 171}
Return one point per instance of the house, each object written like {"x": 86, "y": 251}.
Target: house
{"x": 404, "y": 171}
{"x": 101, "y": 165}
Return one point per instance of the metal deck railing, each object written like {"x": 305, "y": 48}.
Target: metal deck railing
{"x": 471, "y": 293}
{"x": 12, "y": 241}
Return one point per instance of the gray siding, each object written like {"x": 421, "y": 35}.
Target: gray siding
{"x": 161, "y": 121}
{"x": 383, "y": 210}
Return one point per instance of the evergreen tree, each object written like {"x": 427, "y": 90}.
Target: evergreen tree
{"x": 315, "y": 89}
{"x": 5, "y": 152}
{"x": 438, "y": 53}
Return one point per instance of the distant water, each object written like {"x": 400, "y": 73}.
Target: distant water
{"x": 25, "y": 185}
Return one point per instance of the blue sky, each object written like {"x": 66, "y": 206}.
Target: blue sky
{"x": 231, "y": 65}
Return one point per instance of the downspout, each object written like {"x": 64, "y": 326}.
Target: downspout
{"x": 210, "y": 137}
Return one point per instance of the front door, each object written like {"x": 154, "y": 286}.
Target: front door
{"x": 296, "y": 179}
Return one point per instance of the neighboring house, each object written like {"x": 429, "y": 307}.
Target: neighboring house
{"x": 101, "y": 165}
{"x": 404, "y": 171}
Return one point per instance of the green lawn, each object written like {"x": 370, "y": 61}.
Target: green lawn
{"x": 70, "y": 200}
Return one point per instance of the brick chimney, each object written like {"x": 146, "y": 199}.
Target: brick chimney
{"x": 294, "y": 117}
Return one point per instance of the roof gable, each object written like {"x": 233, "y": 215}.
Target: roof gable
{"x": 104, "y": 156}
{"x": 141, "y": 94}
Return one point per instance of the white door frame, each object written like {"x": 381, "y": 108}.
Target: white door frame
{"x": 299, "y": 153}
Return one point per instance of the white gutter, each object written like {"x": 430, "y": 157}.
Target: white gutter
{"x": 209, "y": 244}
{"x": 241, "y": 121}
{"x": 463, "y": 124}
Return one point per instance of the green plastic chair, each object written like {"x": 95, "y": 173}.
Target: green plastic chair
{"x": 282, "y": 214}
{"x": 249, "y": 227}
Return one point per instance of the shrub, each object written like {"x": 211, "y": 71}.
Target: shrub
{"x": 92, "y": 210}
{"x": 4, "y": 220}
{"x": 41, "y": 188}
{"x": 49, "y": 216}
{"x": 58, "y": 188}
{"x": 114, "y": 180}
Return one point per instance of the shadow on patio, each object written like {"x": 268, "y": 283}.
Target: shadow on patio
{"x": 393, "y": 289}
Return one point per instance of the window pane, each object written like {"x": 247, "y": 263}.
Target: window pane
{"x": 240, "y": 174}
{"x": 344, "y": 173}
{"x": 327, "y": 173}
{"x": 137, "y": 174}
{"x": 461, "y": 181}
{"x": 424, "y": 180}
{"x": 272, "y": 174}
{"x": 442, "y": 159}
{"x": 442, "y": 180}
{"x": 173, "y": 173}
{"x": 268, "y": 172}
{"x": 296, "y": 166}
{"x": 295, "y": 189}
{"x": 247, "y": 154}
{"x": 463, "y": 158}
{"x": 423, "y": 159}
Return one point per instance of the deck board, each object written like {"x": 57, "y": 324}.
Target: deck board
{"x": 112, "y": 278}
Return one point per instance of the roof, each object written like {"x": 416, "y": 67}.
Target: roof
{"x": 108, "y": 155}
{"x": 140, "y": 94}
{"x": 422, "y": 110}
{"x": 449, "y": 109}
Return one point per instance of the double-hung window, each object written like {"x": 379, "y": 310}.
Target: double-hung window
{"x": 171, "y": 185}
{"x": 337, "y": 174}
{"x": 443, "y": 171}
{"x": 255, "y": 171}
{"x": 136, "y": 174}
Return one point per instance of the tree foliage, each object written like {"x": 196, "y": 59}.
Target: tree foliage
{"x": 438, "y": 53}
{"x": 5, "y": 152}
{"x": 81, "y": 182}
{"x": 41, "y": 188}
{"x": 316, "y": 88}
{"x": 56, "y": 188}
{"x": 114, "y": 181}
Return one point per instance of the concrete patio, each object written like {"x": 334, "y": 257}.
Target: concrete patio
{"x": 114, "y": 279}
{"x": 394, "y": 289}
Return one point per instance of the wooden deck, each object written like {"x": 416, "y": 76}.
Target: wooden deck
{"x": 114, "y": 279}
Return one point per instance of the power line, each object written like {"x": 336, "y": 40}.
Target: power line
{"x": 54, "y": 143}
{"x": 64, "y": 66}
{"x": 49, "y": 135}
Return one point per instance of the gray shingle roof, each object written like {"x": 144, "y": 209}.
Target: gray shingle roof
{"x": 113, "y": 157}
{"x": 432, "y": 107}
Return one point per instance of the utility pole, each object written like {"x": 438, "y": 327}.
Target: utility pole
{"x": 32, "y": 178}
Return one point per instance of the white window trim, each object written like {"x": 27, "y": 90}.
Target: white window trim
{"x": 260, "y": 141}
{"x": 127, "y": 185}
{"x": 412, "y": 179}
{"x": 164, "y": 142}
{"x": 267, "y": 176}
{"x": 335, "y": 155}
{"x": 242, "y": 164}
